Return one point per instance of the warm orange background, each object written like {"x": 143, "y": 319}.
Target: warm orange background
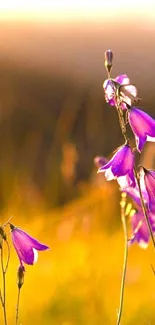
{"x": 53, "y": 122}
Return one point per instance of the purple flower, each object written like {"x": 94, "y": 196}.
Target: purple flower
{"x": 142, "y": 125}
{"x": 120, "y": 167}
{"x": 147, "y": 182}
{"x": 140, "y": 229}
{"x": 127, "y": 92}
{"x": 26, "y": 246}
{"x": 99, "y": 161}
{"x": 133, "y": 193}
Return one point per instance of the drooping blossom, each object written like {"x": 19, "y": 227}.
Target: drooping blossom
{"x": 142, "y": 125}
{"x": 147, "y": 182}
{"x": 120, "y": 86}
{"x": 26, "y": 246}
{"x": 133, "y": 193}
{"x": 140, "y": 232}
{"x": 120, "y": 167}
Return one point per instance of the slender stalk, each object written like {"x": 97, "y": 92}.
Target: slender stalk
{"x": 123, "y": 218}
{"x": 1, "y": 298}
{"x": 4, "y": 287}
{"x": 153, "y": 269}
{"x": 122, "y": 123}
{"x": 17, "y": 307}
{"x": 8, "y": 258}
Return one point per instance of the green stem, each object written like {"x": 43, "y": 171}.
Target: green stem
{"x": 122, "y": 123}
{"x": 123, "y": 218}
{"x": 8, "y": 258}
{"x": 4, "y": 287}
{"x": 17, "y": 307}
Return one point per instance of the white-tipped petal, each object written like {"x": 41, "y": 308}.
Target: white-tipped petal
{"x": 151, "y": 139}
{"x": 35, "y": 255}
{"x": 143, "y": 244}
{"x": 109, "y": 175}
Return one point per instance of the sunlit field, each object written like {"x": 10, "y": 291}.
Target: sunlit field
{"x": 78, "y": 280}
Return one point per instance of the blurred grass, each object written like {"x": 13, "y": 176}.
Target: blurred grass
{"x": 78, "y": 280}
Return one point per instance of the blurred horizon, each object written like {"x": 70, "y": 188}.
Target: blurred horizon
{"x": 67, "y": 11}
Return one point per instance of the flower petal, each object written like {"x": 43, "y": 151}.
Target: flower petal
{"x": 24, "y": 250}
{"x": 122, "y": 79}
{"x": 133, "y": 192}
{"x": 142, "y": 125}
{"x": 147, "y": 181}
{"x": 35, "y": 252}
{"x": 26, "y": 246}
{"x": 32, "y": 241}
{"x": 126, "y": 182}
{"x": 140, "y": 230}
{"x": 120, "y": 167}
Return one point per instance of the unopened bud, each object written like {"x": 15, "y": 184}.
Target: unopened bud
{"x": 1, "y": 242}
{"x": 20, "y": 276}
{"x": 12, "y": 227}
{"x": 2, "y": 233}
{"x": 108, "y": 60}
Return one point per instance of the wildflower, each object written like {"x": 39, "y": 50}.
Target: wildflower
{"x": 147, "y": 182}
{"x": 99, "y": 161}
{"x": 133, "y": 193}
{"x": 120, "y": 86}
{"x": 26, "y": 246}
{"x": 140, "y": 229}
{"x": 120, "y": 167}
{"x": 142, "y": 125}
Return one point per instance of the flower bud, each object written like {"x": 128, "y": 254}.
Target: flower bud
{"x": 2, "y": 233}
{"x": 20, "y": 276}
{"x": 12, "y": 227}
{"x": 108, "y": 60}
{"x": 1, "y": 242}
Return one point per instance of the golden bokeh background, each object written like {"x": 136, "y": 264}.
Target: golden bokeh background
{"x": 53, "y": 122}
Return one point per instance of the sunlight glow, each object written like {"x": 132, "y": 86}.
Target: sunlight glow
{"x": 72, "y": 10}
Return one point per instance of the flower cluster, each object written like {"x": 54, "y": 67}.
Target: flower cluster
{"x": 123, "y": 95}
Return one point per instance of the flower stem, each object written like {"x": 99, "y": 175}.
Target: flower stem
{"x": 123, "y": 218}
{"x": 17, "y": 307}
{"x": 144, "y": 208}
{"x": 122, "y": 123}
{"x": 8, "y": 258}
{"x": 4, "y": 287}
